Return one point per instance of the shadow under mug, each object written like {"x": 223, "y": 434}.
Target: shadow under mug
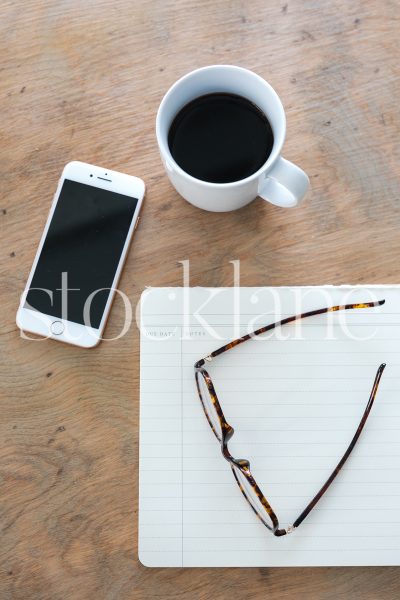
{"x": 278, "y": 181}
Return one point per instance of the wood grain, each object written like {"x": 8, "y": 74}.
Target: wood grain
{"x": 82, "y": 80}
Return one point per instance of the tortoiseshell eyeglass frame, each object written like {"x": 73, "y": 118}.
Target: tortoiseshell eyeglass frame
{"x": 227, "y": 430}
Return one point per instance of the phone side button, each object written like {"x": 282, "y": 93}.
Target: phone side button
{"x": 137, "y": 223}
{"x": 57, "y": 327}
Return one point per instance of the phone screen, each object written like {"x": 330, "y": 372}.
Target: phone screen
{"x": 81, "y": 253}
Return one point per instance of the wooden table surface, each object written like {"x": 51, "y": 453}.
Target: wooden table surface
{"x": 82, "y": 81}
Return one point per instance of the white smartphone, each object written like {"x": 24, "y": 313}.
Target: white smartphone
{"x": 80, "y": 257}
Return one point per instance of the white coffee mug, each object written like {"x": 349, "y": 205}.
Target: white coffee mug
{"x": 278, "y": 181}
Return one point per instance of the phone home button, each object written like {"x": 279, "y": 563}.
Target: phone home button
{"x": 57, "y": 327}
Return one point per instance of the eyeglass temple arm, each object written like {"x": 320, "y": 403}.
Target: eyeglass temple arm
{"x": 272, "y": 326}
{"x": 346, "y": 455}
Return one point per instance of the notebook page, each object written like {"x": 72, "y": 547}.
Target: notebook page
{"x": 295, "y": 399}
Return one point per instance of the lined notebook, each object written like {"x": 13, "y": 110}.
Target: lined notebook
{"x": 295, "y": 398}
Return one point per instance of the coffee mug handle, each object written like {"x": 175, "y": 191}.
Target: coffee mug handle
{"x": 284, "y": 185}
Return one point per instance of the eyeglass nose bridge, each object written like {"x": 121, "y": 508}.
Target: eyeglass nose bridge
{"x": 228, "y": 432}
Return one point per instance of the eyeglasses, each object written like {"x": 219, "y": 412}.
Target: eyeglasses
{"x": 223, "y": 431}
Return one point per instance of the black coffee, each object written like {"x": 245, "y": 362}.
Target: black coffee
{"x": 220, "y": 138}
